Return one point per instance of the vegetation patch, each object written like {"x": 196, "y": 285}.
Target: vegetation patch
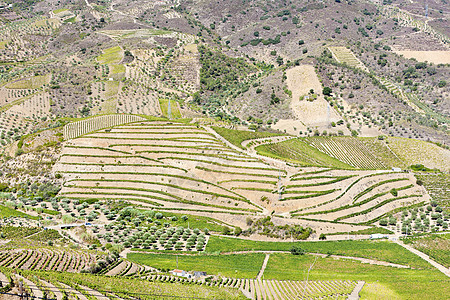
{"x": 112, "y": 55}
{"x": 238, "y": 266}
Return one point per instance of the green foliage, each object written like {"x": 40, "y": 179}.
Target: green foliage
{"x": 218, "y": 71}
{"x": 419, "y": 167}
{"x": 297, "y": 250}
{"x": 6, "y": 212}
{"x": 13, "y": 232}
{"x": 164, "y": 105}
{"x": 327, "y": 91}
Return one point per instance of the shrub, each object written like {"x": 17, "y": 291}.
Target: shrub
{"x": 225, "y": 230}
{"x": 327, "y": 91}
{"x": 297, "y": 250}
{"x": 159, "y": 216}
{"x": 383, "y": 222}
{"x": 322, "y": 237}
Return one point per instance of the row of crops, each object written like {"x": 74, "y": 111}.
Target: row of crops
{"x": 288, "y": 289}
{"x": 348, "y": 150}
{"x": 47, "y": 259}
{"x": 79, "y": 128}
{"x": 367, "y": 198}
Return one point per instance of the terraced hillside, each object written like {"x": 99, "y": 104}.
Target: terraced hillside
{"x": 158, "y": 163}
{"x": 186, "y": 167}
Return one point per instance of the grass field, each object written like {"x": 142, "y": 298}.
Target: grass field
{"x": 237, "y": 266}
{"x": 29, "y": 83}
{"x": 193, "y": 222}
{"x": 57, "y": 11}
{"x": 117, "y": 69}
{"x": 3, "y": 44}
{"x": 296, "y": 151}
{"x": 379, "y": 250}
{"x": 6, "y": 212}
{"x": 164, "y": 104}
{"x": 111, "y": 87}
{"x": 403, "y": 283}
{"x": 236, "y": 137}
{"x": 111, "y": 56}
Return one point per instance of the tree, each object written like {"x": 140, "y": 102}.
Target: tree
{"x": 237, "y": 231}
{"x": 322, "y": 237}
{"x": 327, "y": 91}
{"x": 297, "y": 250}
{"x": 442, "y": 83}
{"x": 225, "y": 230}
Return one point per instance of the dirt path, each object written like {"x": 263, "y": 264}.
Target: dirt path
{"x": 50, "y": 287}
{"x": 438, "y": 266}
{"x": 355, "y": 293}
{"x": 361, "y": 259}
{"x": 264, "y": 141}
{"x": 3, "y": 279}
{"x": 93, "y": 293}
{"x": 271, "y": 161}
{"x": 263, "y": 267}
{"x": 117, "y": 269}
{"x": 79, "y": 295}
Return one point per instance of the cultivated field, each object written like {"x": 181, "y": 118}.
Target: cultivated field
{"x": 180, "y": 166}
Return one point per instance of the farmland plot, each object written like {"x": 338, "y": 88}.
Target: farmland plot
{"x": 348, "y": 150}
{"x": 173, "y": 165}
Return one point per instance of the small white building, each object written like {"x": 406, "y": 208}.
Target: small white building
{"x": 180, "y": 273}
{"x": 376, "y": 236}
